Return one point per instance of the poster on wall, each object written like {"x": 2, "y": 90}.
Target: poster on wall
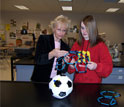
{"x": 7, "y": 27}
{"x": 2, "y": 37}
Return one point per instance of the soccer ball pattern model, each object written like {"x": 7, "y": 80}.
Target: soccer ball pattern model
{"x": 61, "y": 86}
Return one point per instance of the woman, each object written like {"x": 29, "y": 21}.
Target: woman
{"x": 94, "y": 59}
{"x": 49, "y": 48}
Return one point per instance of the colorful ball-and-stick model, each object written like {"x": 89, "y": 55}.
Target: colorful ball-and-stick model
{"x": 83, "y": 57}
{"x": 108, "y": 100}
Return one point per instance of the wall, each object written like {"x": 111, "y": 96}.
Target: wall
{"x": 111, "y": 24}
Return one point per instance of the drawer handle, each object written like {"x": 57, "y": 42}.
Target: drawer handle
{"x": 120, "y": 77}
{"x": 120, "y": 70}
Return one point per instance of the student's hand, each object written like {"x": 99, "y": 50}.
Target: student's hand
{"x": 72, "y": 61}
{"x": 91, "y": 65}
{"x": 67, "y": 58}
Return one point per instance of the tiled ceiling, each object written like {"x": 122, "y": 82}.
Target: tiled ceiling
{"x": 48, "y": 6}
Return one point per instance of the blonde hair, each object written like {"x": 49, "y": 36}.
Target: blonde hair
{"x": 60, "y": 19}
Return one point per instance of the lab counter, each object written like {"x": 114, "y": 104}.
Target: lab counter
{"x": 25, "y": 66}
{"x": 29, "y": 94}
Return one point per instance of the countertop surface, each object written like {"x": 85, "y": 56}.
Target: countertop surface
{"x": 23, "y": 60}
{"x": 28, "y": 94}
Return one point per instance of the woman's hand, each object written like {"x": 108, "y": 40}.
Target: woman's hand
{"x": 91, "y": 65}
{"x": 57, "y": 53}
{"x": 60, "y": 53}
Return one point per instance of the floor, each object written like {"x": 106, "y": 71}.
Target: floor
{"x": 5, "y": 69}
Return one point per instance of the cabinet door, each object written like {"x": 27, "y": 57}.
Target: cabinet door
{"x": 24, "y": 72}
{"x": 118, "y": 71}
{"x": 116, "y": 77}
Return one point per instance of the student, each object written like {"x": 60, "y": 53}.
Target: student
{"x": 97, "y": 61}
{"x": 49, "y": 48}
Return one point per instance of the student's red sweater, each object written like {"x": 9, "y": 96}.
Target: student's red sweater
{"x": 98, "y": 54}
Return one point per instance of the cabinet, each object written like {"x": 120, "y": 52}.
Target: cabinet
{"x": 25, "y": 66}
{"x": 24, "y": 72}
{"x": 116, "y": 77}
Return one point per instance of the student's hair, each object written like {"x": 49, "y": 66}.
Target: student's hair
{"x": 94, "y": 37}
{"x": 60, "y": 19}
